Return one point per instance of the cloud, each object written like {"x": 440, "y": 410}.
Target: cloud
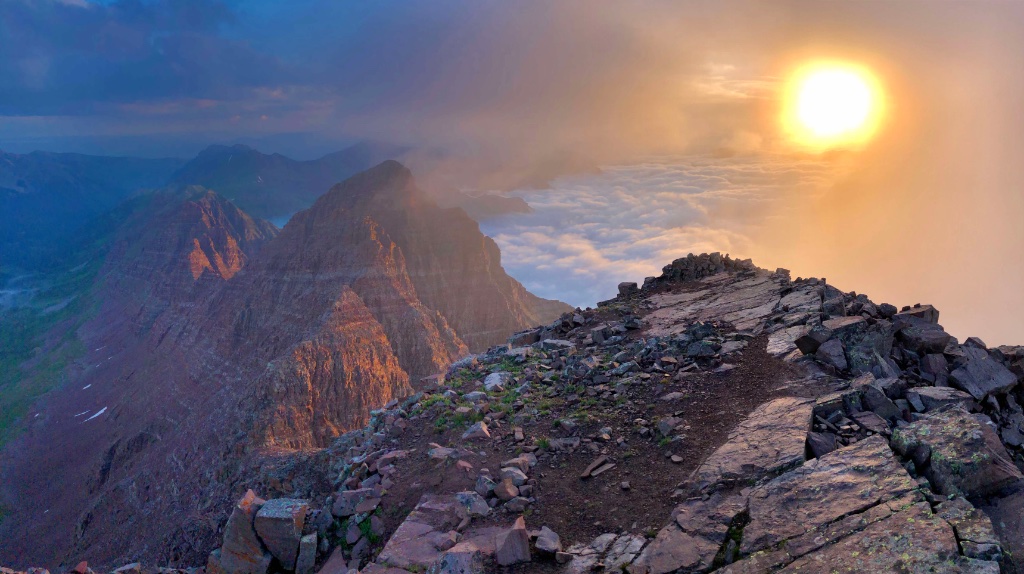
{"x": 588, "y": 233}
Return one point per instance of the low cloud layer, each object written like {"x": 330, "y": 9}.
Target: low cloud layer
{"x": 588, "y": 233}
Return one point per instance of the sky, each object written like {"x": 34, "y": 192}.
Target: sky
{"x": 677, "y": 104}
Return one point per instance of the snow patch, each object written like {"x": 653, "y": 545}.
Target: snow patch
{"x": 101, "y": 411}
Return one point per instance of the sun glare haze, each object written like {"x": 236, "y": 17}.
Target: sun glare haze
{"x": 832, "y": 105}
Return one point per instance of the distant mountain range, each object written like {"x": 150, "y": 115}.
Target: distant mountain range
{"x": 46, "y": 197}
{"x": 203, "y": 341}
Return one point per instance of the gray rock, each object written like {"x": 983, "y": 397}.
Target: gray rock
{"x": 623, "y": 551}
{"x": 832, "y": 353}
{"x": 477, "y": 432}
{"x": 279, "y": 525}
{"x": 548, "y": 541}
{"x": 921, "y": 336}
{"x": 512, "y": 546}
{"x": 497, "y": 381}
{"x": 934, "y": 364}
{"x": 769, "y": 441}
{"x": 474, "y": 503}
{"x": 558, "y": 345}
{"x": 512, "y": 473}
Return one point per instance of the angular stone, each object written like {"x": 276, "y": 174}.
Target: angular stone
{"x": 242, "y": 552}
{"x": 462, "y": 561}
{"x": 1007, "y": 516}
{"x": 933, "y": 398}
{"x": 921, "y": 336}
{"x": 675, "y": 551}
{"x": 981, "y": 375}
{"x": 769, "y": 441}
{"x": 628, "y": 289}
{"x": 962, "y": 453}
{"x": 474, "y": 503}
{"x": 832, "y": 353}
{"x": 823, "y": 490}
{"x": 335, "y": 563}
{"x": 349, "y": 502}
{"x": 477, "y": 432}
{"x": 934, "y": 364}
{"x": 512, "y": 546}
{"x": 506, "y": 490}
{"x": 512, "y": 473}
{"x": 307, "y": 554}
{"x": 279, "y": 525}
{"x": 926, "y": 313}
{"x": 548, "y": 541}
{"x": 874, "y": 399}
{"x": 821, "y": 443}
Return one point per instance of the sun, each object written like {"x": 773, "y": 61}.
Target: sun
{"x": 832, "y": 105}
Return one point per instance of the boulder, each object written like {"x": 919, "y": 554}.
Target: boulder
{"x": 241, "y": 551}
{"x": 960, "y": 451}
{"x": 628, "y": 289}
{"x": 821, "y": 443}
{"x": 512, "y": 546}
{"x": 279, "y": 525}
{"x": 981, "y": 375}
{"x": 934, "y": 364}
{"x": 920, "y": 336}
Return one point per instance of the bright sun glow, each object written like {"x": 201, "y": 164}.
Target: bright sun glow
{"x": 829, "y": 105}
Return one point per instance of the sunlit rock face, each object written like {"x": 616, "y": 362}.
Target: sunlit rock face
{"x": 219, "y": 343}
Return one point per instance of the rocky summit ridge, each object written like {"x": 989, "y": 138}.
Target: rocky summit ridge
{"x": 719, "y": 418}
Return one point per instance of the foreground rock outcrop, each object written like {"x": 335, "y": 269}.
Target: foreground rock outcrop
{"x": 690, "y": 425}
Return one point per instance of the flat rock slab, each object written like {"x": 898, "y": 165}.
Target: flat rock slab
{"x": 769, "y": 441}
{"x": 910, "y": 541}
{"x": 960, "y": 451}
{"x": 822, "y": 491}
{"x": 418, "y": 541}
{"x": 783, "y": 342}
{"x": 691, "y": 541}
{"x": 743, "y": 302}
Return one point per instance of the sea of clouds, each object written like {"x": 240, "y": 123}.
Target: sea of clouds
{"x": 589, "y": 232}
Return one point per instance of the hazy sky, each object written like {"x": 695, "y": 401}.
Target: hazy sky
{"x": 680, "y": 99}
